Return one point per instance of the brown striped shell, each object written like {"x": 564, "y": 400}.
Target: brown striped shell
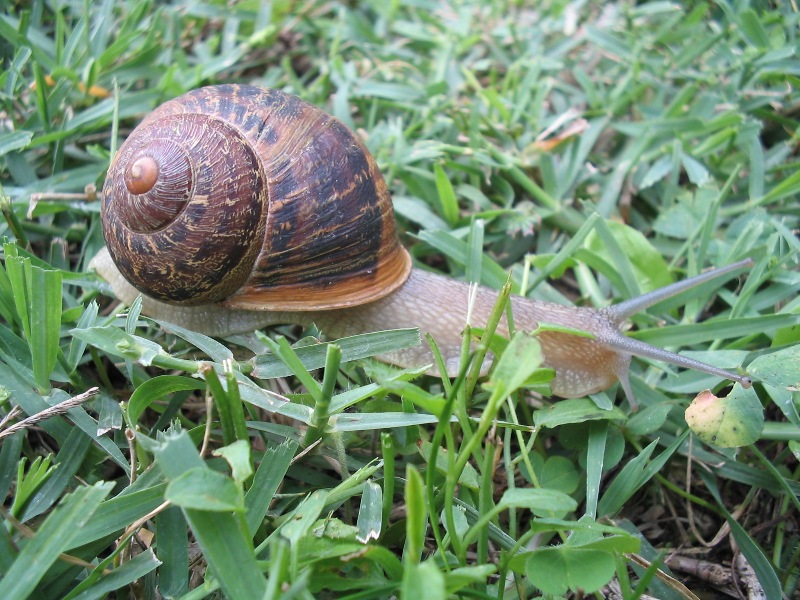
{"x": 253, "y": 198}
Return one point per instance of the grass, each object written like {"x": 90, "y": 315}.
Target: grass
{"x": 589, "y": 154}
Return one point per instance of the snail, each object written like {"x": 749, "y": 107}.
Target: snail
{"x": 233, "y": 207}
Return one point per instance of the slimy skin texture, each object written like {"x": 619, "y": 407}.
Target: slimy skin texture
{"x": 438, "y": 306}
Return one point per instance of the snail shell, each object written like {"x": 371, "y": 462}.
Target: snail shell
{"x": 252, "y": 198}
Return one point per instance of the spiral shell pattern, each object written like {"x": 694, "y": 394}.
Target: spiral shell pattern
{"x": 253, "y": 198}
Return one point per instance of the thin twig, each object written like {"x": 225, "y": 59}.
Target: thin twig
{"x": 12, "y": 414}
{"x": 670, "y": 581}
{"x": 57, "y": 409}
{"x": 130, "y": 436}
{"x": 89, "y": 195}
{"x": 209, "y": 425}
{"x": 689, "y": 511}
{"x": 713, "y": 574}
{"x": 131, "y": 529}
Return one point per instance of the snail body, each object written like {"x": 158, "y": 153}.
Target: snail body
{"x": 302, "y": 213}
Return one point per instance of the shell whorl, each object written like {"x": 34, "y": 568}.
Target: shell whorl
{"x": 254, "y": 198}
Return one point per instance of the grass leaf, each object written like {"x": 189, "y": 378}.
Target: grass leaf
{"x": 51, "y": 539}
{"x": 269, "y": 366}
{"x": 221, "y": 535}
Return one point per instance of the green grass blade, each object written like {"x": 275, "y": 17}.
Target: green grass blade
{"x": 215, "y": 350}
{"x": 289, "y": 357}
{"x": 223, "y": 403}
{"x": 387, "y": 451}
{"x": 492, "y": 274}
{"x": 8, "y": 551}
{"x": 126, "y": 574}
{"x": 475, "y": 251}
{"x": 45, "y": 315}
{"x": 423, "y": 580}
{"x": 51, "y": 539}
{"x": 236, "y": 406}
{"x": 77, "y": 347}
{"x": 16, "y": 268}
{"x": 268, "y": 477}
{"x": 37, "y": 296}
{"x": 416, "y": 516}
{"x": 116, "y": 514}
{"x": 58, "y": 427}
{"x": 8, "y": 310}
{"x": 595, "y": 451}
{"x": 173, "y": 552}
{"x": 447, "y": 195}
{"x": 222, "y": 536}
{"x": 319, "y": 418}
{"x": 369, "y": 521}
{"x": 116, "y": 342}
{"x": 634, "y": 475}
{"x": 699, "y": 333}
{"x": 154, "y": 389}
{"x": 10, "y": 451}
{"x": 69, "y": 459}
{"x": 269, "y": 366}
